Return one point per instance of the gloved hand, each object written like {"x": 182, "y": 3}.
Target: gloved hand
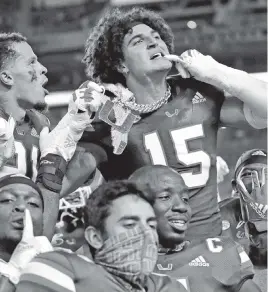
{"x": 7, "y": 143}
{"x": 87, "y": 98}
{"x": 26, "y": 250}
{"x": 191, "y": 63}
{"x": 63, "y": 138}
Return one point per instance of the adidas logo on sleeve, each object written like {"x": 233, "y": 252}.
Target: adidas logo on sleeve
{"x": 199, "y": 262}
{"x": 198, "y": 98}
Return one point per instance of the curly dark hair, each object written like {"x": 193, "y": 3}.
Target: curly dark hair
{"x": 98, "y": 204}
{"x": 6, "y": 50}
{"x": 103, "y": 51}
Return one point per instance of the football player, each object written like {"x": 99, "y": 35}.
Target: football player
{"x": 21, "y": 220}
{"x": 17, "y": 193}
{"x": 172, "y": 120}
{"x": 244, "y": 217}
{"x": 22, "y": 93}
{"x": 211, "y": 264}
{"x": 22, "y": 87}
{"x": 22, "y": 98}
{"x": 69, "y": 231}
{"x": 121, "y": 233}
{"x": 70, "y": 227}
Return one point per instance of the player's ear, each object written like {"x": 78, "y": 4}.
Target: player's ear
{"x": 6, "y": 78}
{"x": 123, "y": 69}
{"x": 93, "y": 237}
{"x": 234, "y": 185}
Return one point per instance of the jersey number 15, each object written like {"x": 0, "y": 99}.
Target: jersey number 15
{"x": 180, "y": 138}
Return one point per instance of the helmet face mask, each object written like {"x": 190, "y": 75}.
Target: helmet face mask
{"x": 251, "y": 184}
{"x": 75, "y": 200}
{"x": 71, "y": 207}
{"x": 70, "y": 226}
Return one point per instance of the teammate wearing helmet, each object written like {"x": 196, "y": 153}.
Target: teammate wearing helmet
{"x": 245, "y": 215}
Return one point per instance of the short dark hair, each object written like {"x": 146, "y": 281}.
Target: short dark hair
{"x": 98, "y": 205}
{"x": 103, "y": 51}
{"x": 146, "y": 177}
{"x": 6, "y": 50}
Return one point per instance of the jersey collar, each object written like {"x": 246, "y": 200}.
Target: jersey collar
{"x": 179, "y": 247}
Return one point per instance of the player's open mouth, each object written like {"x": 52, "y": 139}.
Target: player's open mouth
{"x": 18, "y": 224}
{"x": 157, "y": 56}
{"x": 46, "y": 91}
{"x": 44, "y": 84}
{"x": 180, "y": 225}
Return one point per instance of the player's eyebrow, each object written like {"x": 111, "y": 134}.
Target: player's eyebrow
{"x": 182, "y": 191}
{"x": 185, "y": 191}
{"x": 136, "y": 218}
{"x": 129, "y": 217}
{"x": 141, "y": 35}
{"x": 32, "y": 195}
{"x": 8, "y": 192}
{"x": 33, "y": 58}
{"x": 134, "y": 37}
{"x": 167, "y": 189}
{"x": 15, "y": 193}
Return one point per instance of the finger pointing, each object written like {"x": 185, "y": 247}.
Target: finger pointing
{"x": 28, "y": 226}
{"x": 174, "y": 58}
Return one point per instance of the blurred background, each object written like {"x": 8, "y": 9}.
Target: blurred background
{"x": 234, "y": 32}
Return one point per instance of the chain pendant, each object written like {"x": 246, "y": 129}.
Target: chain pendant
{"x": 124, "y": 118}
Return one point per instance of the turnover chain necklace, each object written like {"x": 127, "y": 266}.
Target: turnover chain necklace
{"x": 125, "y": 105}
{"x": 144, "y": 108}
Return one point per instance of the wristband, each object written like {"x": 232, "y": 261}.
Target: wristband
{"x": 51, "y": 171}
{"x": 10, "y": 272}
